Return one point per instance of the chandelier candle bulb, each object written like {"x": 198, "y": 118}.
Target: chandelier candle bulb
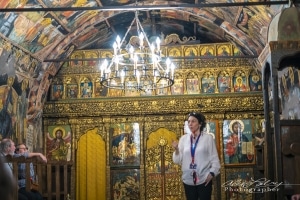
{"x": 135, "y": 59}
{"x": 131, "y": 50}
{"x": 115, "y": 46}
{"x": 118, "y": 40}
{"x": 122, "y": 75}
{"x": 158, "y": 44}
{"x": 141, "y": 36}
{"x": 152, "y": 48}
{"x": 138, "y": 77}
{"x": 117, "y": 63}
{"x": 172, "y": 70}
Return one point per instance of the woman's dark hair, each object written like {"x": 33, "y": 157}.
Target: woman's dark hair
{"x": 201, "y": 119}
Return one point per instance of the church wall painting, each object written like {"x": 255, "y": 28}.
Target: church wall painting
{"x": 125, "y": 145}
{"x": 289, "y": 85}
{"x": 58, "y": 143}
{"x": 240, "y": 84}
{"x": 72, "y": 91}
{"x": 100, "y": 91}
{"x": 86, "y": 89}
{"x": 125, "y": 183}
{"x": 255, "y": 83}
{"x": 177, "y": 88}
{"x": 208, "y": 85}
{"x": 192, "y": 86}
{"x": 224, "y": 83}
{"x": 239, "y": 184}
{"x": 57, "y": 92}
{"x": 238, "y": 145}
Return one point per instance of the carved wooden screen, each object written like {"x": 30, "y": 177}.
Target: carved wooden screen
{"x": 163, "y": 177}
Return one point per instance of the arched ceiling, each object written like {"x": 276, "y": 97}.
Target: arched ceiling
{"x": 49, "y": 24}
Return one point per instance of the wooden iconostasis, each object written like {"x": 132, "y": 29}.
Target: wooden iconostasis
{"x": 135, "y": 130}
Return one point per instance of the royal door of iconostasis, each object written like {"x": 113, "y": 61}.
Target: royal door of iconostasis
{"x": 162, "y": 176}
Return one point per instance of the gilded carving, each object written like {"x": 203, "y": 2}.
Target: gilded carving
{"x": 164, "y": 115}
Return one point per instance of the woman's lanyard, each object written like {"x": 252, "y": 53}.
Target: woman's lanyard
{"x": 193, "y": 165}
{"x": 193, "y": 149}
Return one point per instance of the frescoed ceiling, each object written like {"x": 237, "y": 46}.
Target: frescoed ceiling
{"x": 36, "y": 31}
{"x": 51, "y": 22}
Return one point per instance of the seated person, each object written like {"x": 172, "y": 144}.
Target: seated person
{"x": 7, "y": 184}
{"x": 7, "y": 147}
{"x": 22, "y": 150}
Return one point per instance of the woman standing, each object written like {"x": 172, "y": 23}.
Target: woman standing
{"x": 198, "y": 157}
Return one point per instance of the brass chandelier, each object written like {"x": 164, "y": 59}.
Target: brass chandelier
{"x": 137, "y": 66}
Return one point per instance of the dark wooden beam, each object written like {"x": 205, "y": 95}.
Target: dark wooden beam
{"x": 144, "y": 7}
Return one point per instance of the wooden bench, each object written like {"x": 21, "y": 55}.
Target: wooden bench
{"x": 53, "y": 177}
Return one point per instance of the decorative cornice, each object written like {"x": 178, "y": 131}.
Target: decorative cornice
{"x": 215, "y": 103}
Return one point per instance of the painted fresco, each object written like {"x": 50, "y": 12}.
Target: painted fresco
{"x": 237, "y": 142}
{"x": 125, "y": 144}
{"x": 8, "y": 111}
{"x": 125, "y": 183}
{"x": 35, "y": 35}
{"x": 224, "y": 84}
{"x": 58, "y": 143}
{"x": 57, "y": 92}
{"x": 239, "y": 184}
{"x": 289, "y": 85}
{"x": 41, "y": 32}
{"x": 239, "y": 84}
{"x": 208, "y": 85}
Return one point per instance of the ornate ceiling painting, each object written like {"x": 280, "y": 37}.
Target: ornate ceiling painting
{"x": 43, "y": 36}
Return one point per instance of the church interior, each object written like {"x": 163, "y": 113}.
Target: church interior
{"x": 114, "y": 80}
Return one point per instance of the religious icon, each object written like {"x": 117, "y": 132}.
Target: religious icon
{"x": 59, "y": 143}
{"x": 86, "y": 89}
{"x": 162, "y": 88}
{"x": 238, "y": 144}
{"x": 192, "y": 86}
{"x": 239, "y": 84}
{"x": 207, "y": 52}
{"x": 100, "y": 91}
{"x": 177, "y": 87}
{"x": 125, "y": 144}
{"x": 241, "y": 184}
{"x": 91, "y": 59}
{"x": 223, "y": 51}
{"x": 174, "y": 52}
{"x": 255, "y": 83}
{"x": 224, "y": 84}
{"x": 72, "y": 91}
{"x": 57, "y": 92}
{"x": 125, "y": 183}
{"x": 208, "y": 85}
{"x": 76, "y": 61}
{"x": 147, "y": 91}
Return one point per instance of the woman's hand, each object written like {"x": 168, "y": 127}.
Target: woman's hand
{"x": 208, "y": 179}
{"x": 175, "y": 144}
